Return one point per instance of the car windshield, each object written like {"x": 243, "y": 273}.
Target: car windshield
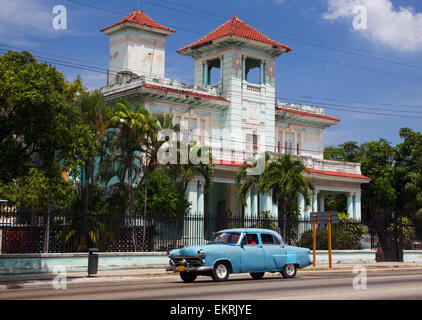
{"x": 226, "y": 237}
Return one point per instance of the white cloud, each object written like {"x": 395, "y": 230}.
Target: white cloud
{"x": 398, "y": 28}
{"x": 28, "y": 16}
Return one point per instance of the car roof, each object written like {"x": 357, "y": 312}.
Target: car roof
{"x": 257, "y": 230}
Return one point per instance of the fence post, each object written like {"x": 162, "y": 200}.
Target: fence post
{"x": 47, "y": 227}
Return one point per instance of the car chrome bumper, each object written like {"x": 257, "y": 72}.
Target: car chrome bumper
{"x": 189, "y": 269}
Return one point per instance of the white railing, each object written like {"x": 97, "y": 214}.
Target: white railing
{"x": 135, "y": 81}
{"x": 300, "y": 107}
{"x": 237, "y": 156}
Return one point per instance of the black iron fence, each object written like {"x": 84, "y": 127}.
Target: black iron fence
{"x": 26, "y": 232}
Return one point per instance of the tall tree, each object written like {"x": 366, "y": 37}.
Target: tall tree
{"x": 97, "y": 114}
{"x": 284, "y": 177}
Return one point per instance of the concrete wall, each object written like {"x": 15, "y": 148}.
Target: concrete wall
{"x": 345, "y": 256}
{"x": 74, "y": 262}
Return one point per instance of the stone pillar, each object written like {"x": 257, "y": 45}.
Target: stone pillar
{"x": 243, "y": 68}
{"x": 248, "y": 206}
{"x": 274, "y": 211}
{"x": 350, "y": 204}
{"x": 191, "y": 220}
{"x": 206, "y": 73}
{"x": 321, "y": 203}
{"x": 357, "y": 207}
{"x": 315, "y": 202}
{"x": 221, "y": 69}
{"x": 262, "y": 75}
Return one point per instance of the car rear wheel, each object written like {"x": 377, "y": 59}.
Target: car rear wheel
{"x": 188, "y": 276}
{"x": 220, "y": 272}
{"x": 289, "y": 271}
{"x": 257, "y": 275}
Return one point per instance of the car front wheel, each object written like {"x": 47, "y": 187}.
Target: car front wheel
{"x": 257, "y": 275}
{"x": 289, "y": 271}
{"x": 188, "y": 276}
{"x": 220, "y": 272}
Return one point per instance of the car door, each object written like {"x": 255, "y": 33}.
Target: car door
{"x": 275, "y": 253}
{"x": 252, "y": 257}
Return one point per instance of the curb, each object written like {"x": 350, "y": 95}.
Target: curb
{"x": 104, "y": 279}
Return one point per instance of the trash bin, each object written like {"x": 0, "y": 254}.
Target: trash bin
{"x": 93, "y": 261}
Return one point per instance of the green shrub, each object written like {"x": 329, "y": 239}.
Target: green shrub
{"x": 346, "y": 235}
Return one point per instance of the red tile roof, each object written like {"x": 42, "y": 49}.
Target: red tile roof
{"x": 339, "y": 174}
{"x": 322, "y": 116}
{"x": 140, "y": 18}
{"x": 180, "y": 91}
{"x": 236, "y": 27}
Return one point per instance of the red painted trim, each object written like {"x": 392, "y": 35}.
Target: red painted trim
{"x": 339, "y": 174}
{"x": 179, "y": 91}
{"x": 308, "y": 114}
{"x": 227, "y": 163}
{"x": 328, "y": 173}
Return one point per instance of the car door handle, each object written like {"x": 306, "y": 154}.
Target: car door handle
{"x": 259, "y": 246}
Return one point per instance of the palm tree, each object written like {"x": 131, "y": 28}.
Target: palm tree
{"x": 283, "y": 176}
{"x": 248, "y": 183}
{"x": 96, "y": 113}
{"x": 133, "y": 141}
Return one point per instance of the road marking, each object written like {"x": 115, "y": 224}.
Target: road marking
{"x": 339, "y": 292}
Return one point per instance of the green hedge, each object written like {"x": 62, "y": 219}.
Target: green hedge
{"x": 345, "y": 236}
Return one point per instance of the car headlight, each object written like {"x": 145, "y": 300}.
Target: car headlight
{"x": 169, "y": 254}
{"x": 201, "y": 253}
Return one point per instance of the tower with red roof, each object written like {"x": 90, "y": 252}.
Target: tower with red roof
{"x": 137, "y": 46}
{"x": 240, "y": 61}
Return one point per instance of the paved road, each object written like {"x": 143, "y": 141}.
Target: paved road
{"x": 397, "y": 284}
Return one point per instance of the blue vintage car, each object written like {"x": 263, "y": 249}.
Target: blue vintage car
{"x": 253, "y": 251}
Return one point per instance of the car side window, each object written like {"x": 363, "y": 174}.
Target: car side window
{"x": 267, "y": 238}
{"x": 276, "y": 241}
{"x": 250, "y": 239}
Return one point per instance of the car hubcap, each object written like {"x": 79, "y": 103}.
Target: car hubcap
{"x": 221, "y": 271}
{"x": 290, "y": 269}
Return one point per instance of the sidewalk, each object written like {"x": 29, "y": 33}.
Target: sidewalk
{"x": 45, "y": 279}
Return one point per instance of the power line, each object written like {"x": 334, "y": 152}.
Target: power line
{"x": 84, "y": 61}
{"x": 356, "y": 67}
{"x": 349, "y": 106}
{"x": 302, "y": 56}
{"x": 314, "y": 103}
{"x": 359, "y": 102}
{"x": 310, "y": 41}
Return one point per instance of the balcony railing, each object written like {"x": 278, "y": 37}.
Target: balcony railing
{"x": 132, "y": 81}
{"x": 239, "y": 156}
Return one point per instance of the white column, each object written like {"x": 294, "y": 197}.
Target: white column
{"x": 274, "y": 211}
{"x": 199, "y": 224}
{"x": 301, "y": 206}
{"x": 254, "y": 205}
{"x": 350, "y": 204}
{"x": 315, "y": 202}
{"x": 321, "y": 203}
{"x": 357, "y": 207}
{"x": 248, "y": 207}
{"x": 190, "y": 221}
{"x": 269, "y": 202}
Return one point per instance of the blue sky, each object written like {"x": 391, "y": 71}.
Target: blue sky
{"x": 312, "y": 73}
